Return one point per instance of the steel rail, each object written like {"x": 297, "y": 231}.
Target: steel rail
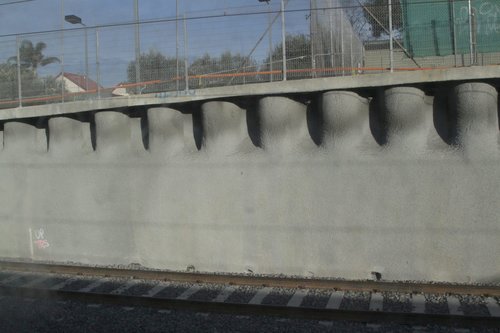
{"x": 252, "y": 309}
{"x": 256, "y": 280}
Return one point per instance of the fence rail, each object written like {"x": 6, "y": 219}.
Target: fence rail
{"x": 315, "y": 38}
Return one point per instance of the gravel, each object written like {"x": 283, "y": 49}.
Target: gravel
{"x": 358, "y": 301}
{"x": 23, "y": 280}
{"x": 107, "y": 287}
{"x": 278, "y": 296}
{"x": 173, "y": 290}
{"x": 473, "y": 305}
{"x": 208, "y": 293}
{"x": 139, "y": 289}
{"x": 396, "y": 302}
{"x": 17, "y": 315}
{"x": 436, "y": 304}
{"x": 50, "y": 282}
{"x": 77, "y": 285}
{"x": 242, "y": 294}
{"x": 316, "y": 298}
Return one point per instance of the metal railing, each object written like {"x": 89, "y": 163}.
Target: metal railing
{"x": 315, "y": 38}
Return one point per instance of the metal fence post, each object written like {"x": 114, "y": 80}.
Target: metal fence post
{"x": 471, "y": 40}
{"x": 270, "y": 44}
{"x": 97, "y": 64}
{"x": 19, "y": 85}
{"x": 186, "y": 62}
{"x": 62, "y": 52}
{"x": 283, "y": 38}
{"x": 391, "y": 38}
{"x": 137, "y": 47}
{"x": 312, "y": 25}
{"x": 177, "y": 43}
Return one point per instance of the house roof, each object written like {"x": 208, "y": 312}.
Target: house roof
{"x": 80, "y": 81}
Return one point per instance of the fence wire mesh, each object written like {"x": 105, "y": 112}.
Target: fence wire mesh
{"x": 323, "y": 38}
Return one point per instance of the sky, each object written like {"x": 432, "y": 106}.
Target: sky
{"x": 238, "y": 34}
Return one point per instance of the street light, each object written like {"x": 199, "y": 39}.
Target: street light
{"x": 73, "y": 19}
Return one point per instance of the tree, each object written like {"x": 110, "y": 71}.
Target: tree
{"x": 31, "y": 56}
{"x": 31, "y": 86}
{"x": 298, "y": 56}
{"x": 377, "y": 15}
{"x": 154, "y": 66}
{"x": 225, "y": 69}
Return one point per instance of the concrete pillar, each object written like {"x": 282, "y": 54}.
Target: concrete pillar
{"x": 69, "y": 137}
{"x": 165, "y": 131}
{"x": 283, "y": 125}
{"x": 24, "y": 139}
{"x": 223, "y": 128}
{"x": 117, "y": 134}
{"x": 345, "y": 120}
{"x": 404, "y": 119}
{"x": 474, "y": 118}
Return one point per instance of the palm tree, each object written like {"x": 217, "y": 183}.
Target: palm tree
{"x": 31, "y": 56}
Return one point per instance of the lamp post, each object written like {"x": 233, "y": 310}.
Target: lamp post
{"x": 73, "y": 19}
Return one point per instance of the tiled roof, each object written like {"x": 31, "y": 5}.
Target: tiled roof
{"x": 79, "y": 80}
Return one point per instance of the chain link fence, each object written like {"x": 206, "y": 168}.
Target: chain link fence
{"x": 321, "y": 38}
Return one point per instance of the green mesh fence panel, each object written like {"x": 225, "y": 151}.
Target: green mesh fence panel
{"x": 439, "y": 28}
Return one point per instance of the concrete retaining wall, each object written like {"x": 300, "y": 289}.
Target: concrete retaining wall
{"x": 399, "y": 183}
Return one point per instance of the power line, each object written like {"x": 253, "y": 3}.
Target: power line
{"x": 204, "y": 17}
{"x": 15, "y": 2}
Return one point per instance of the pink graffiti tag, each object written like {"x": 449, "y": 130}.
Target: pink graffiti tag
{"x": 40, "y": 241}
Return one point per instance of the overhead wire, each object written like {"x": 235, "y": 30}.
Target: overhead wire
{"x": 204, "y": 17}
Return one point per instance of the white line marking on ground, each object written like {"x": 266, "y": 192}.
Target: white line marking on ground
{"x": 260, "y": 295}
{"x": 297, "y": 298}
{"x": 377, "y": 302}
{"x": 335, "y": 300}
{"x": 93, "y": 285}
{"x": 36, "y": 281}
{"x": 493, "y": 307}
{"x": 418, "y": 303}
{"x": 188, "y": 293}
{"x": 454, "y": 305}
{"x": 124, "y": 287}
{"x": 12, "y": 278}
{"x": 63, "y": 284}
{"x": 155, "y": 290}
{"x": 224, "y": 294}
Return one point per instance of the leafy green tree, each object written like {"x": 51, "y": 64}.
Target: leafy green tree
{"x": 298, "y": 51}
{"x": 154, "y": 66}
{"x": 225, "y": 69}
{"x": 377, "y": 15}
{"x": 31, "y": 56}
{"x": 31, "y": 86}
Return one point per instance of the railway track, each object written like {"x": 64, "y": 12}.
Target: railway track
{"x": 319, "y": 299}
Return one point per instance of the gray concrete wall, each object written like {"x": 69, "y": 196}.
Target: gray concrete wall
{"x": 342, "y": 185}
